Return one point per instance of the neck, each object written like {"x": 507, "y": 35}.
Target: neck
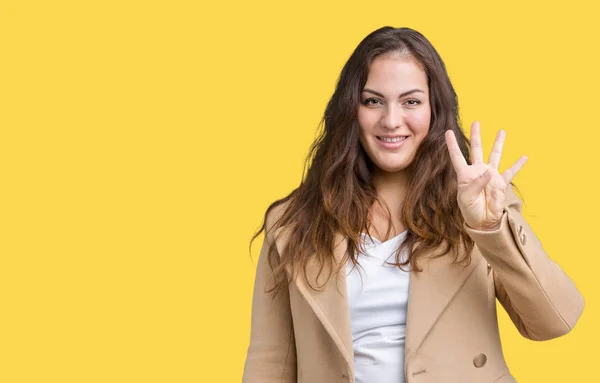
{"x": 391, "y": 188}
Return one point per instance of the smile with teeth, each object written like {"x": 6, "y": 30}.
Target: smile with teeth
{"x": 389, "y": 139}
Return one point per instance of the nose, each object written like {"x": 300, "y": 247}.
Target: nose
{"x": 393, "y": 116}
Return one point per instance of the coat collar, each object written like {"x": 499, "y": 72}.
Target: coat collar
{"x": 430, "y": 292}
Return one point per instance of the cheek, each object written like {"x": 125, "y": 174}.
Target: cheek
{"x": 365, "y": 127}
{"x": 364, "y": 124}
{"x": 364, "y": 141}
{"x": 420, "y": 123}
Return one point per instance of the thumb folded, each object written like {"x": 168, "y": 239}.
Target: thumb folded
{"x": 472, "y": 191}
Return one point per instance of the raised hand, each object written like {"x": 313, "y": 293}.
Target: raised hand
{"x": 481, "y": 187}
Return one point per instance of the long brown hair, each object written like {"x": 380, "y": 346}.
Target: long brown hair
{"x": 336, "y": 191}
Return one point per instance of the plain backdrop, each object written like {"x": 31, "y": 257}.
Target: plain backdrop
{"x": 142, "y": 141}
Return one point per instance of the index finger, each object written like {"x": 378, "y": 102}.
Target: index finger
{"x": 456, "y": 156}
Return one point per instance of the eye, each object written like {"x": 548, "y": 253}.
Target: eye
{"x": 413, "y": 102}
{"x": 368, "y": 101}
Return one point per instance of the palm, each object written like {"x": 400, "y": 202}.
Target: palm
{"x": 481, "y": 188}
{"x": 484, "y": 206}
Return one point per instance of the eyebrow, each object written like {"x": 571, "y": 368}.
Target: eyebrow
{"x": 402, "y": 95}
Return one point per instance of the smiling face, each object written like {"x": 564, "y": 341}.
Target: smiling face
{"x": 394, "y": 112}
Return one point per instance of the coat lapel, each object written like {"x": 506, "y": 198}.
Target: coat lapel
{"x": 430, "y": 292}
{"x": 329, "y": 303}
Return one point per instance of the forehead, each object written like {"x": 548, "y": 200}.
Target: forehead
{"x": 396, "y": 73}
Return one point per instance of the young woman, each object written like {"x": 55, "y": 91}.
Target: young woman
{"x": 384, "y": 265}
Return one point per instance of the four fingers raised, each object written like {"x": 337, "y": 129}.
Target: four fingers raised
{"x": 459, "y": 162}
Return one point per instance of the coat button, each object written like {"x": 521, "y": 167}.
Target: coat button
{"x": 523, "y": 239}
{"x": 480, "y": 360}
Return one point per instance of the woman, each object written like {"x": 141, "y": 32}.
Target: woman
{"x": 384, "y": 265}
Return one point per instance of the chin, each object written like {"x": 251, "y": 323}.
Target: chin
{"x": 391, "y": 168}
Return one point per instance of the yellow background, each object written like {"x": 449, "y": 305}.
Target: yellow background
{"x": 142, "y": 141}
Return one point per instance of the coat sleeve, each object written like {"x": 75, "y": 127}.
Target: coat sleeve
{"x": 540, "y": 299}
{"x": 271, "y": 353}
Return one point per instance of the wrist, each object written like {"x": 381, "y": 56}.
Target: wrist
{"x": 488, "y": 227}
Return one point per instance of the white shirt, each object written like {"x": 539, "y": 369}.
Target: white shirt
{"x": 378, "y": 306}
